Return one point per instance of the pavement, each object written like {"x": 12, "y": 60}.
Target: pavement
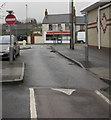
{"x": 25, "y": 47}
{"x": 11, "y": 72}
{"x": 98, "y": 62}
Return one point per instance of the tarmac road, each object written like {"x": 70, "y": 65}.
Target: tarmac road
{"x": 45, "y": 71}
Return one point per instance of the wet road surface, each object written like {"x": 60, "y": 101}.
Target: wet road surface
{"x": 46, "y": 70}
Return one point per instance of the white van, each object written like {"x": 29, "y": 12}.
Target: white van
{"x": 81, "y": 37}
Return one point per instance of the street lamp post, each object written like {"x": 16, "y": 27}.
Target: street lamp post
{"x": 2, "y": 15}
{"x": 26, "y": 19}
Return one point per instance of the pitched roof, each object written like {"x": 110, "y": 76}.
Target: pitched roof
{"x": 61, "y": 18}
{"x": 95, "y": 5}
{"x": 18, "y": 26}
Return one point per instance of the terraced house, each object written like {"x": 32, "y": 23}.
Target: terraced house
{"x": 99, "y": 24}
{"x": 56, "y": 27}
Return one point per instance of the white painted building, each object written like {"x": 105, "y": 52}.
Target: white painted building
{"x": 56, "y": 27}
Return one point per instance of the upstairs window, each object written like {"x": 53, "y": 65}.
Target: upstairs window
{"x": 54, "y": 27}
{"x": 59, "y": 27}
{"x": 50, "y": 27}
{"x": 81, "y": 27}
{"x": 67, "y": 26}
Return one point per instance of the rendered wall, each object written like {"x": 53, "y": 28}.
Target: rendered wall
{"x": 105, "y": 27}
{"x": 38, "y": 39}
{"x": 92, "y": 28}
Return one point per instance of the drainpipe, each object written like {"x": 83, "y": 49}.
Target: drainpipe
{"x": 99, "y": 30}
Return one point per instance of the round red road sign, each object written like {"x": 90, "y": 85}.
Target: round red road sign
{"x": 10, "y": 19}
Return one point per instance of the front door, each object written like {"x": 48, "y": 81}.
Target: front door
{"x": 32, "y": 39}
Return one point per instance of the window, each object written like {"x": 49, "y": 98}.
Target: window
{"x": 67, "y": 26}
{"x": 81, "y": 27}
{"x": 54, "y": 27}
{"x": 50, "y": 37}
{"x": 50, "y": 27}
{"x": 59, "y": 27}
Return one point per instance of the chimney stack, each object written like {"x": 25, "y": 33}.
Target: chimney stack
{"x": 46, "y": 13}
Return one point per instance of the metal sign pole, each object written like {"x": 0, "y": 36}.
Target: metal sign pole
{"x": 11, "y": 46}
{"x": 10, "y": 19}
{"x": 86, "y": 47}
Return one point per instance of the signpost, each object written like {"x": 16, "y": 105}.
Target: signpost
{"x": 10, "y": 20}
{"x": 86, "y": 36}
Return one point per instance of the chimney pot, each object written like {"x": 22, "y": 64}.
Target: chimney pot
{"x": 46, "y": 12}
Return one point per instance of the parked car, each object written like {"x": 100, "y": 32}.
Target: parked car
{"x": 5, "y": 47}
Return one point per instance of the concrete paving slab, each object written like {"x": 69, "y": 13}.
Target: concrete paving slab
{"x": 12, "y": 72}
{"x": 98, "y": 59}
{"x": 101, "y": 72}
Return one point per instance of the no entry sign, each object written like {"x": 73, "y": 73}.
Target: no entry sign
{"x": 10, "y": 19}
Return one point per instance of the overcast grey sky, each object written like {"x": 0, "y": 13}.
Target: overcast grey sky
{"x": 36, "y": 9}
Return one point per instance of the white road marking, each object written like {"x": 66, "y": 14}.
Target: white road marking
{"x": 66, "y": 91}
{"x": 33, "y": 111}
{"x": 103, "y": 97}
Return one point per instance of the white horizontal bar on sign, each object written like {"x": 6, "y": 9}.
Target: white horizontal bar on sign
{"x": 12, "y": 19}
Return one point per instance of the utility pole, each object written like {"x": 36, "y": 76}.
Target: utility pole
{"x": 73, "y": 25}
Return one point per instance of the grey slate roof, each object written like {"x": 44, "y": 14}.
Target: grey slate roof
{"x": 61, "y": 18}
{"x": 17, "y": 26}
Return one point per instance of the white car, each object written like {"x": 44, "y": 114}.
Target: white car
{"x": 5, "y": 47}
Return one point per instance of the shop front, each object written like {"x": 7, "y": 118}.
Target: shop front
{"x": 58, "y": 37}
